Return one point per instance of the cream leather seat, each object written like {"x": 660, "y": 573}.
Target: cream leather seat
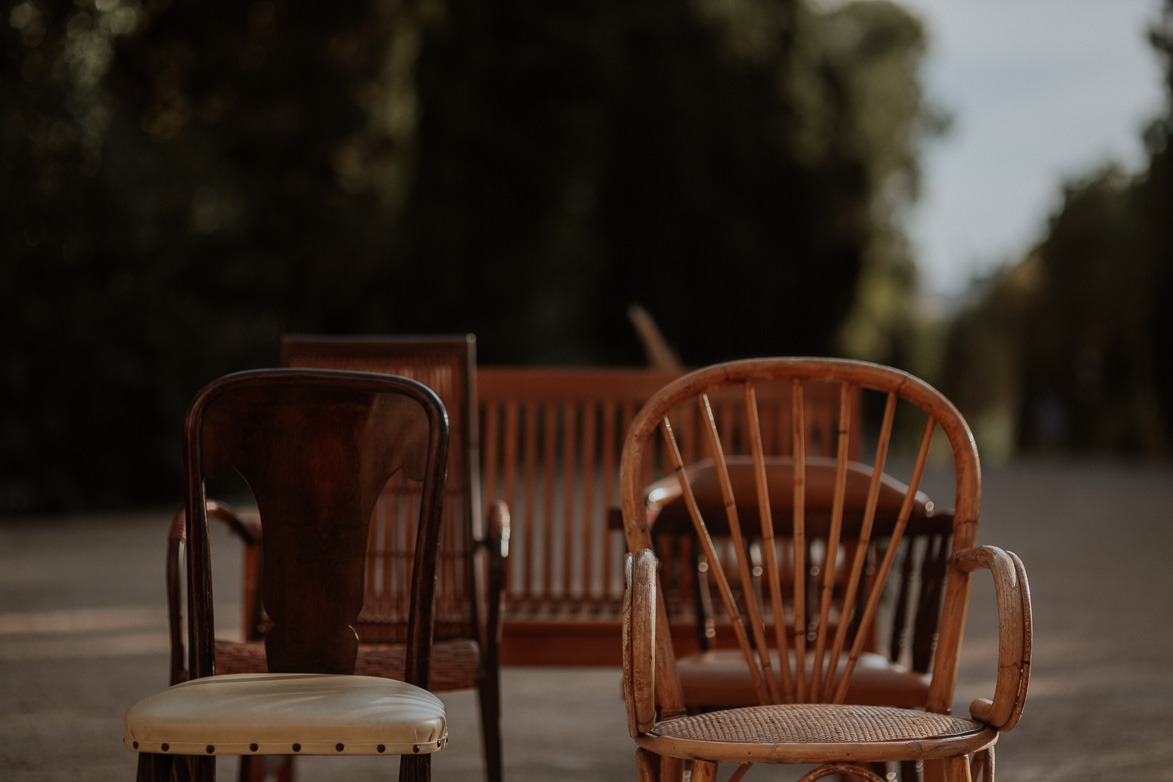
{"x": 316, "y": 448}
{"x": 288, "y": 714}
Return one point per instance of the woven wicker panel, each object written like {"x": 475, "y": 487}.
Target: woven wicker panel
{"x": 815, "y": 723}
{"x": 454, "y": 663}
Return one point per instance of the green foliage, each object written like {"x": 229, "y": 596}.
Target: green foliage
{"x": 1071, "y": 349}
{"x": 183, "y": 182}
{"x": 1058, "y": 348}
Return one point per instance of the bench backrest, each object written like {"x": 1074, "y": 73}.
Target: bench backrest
{"x": 550, "y": 445}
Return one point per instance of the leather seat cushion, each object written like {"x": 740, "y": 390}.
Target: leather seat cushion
{"x": 291, "y": 713}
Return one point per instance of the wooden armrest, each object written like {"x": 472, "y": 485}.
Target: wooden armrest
{"x": 497, "y": 531}
{"x": 248, "y": 530}
{"x": 639, "y": 641}
{"x": 496, "y": 543}
{"x": 1015, "y": 634}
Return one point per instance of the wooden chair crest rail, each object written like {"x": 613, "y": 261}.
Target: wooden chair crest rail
{"x": 317, "y": 450}
{"x": 801, "y": 642}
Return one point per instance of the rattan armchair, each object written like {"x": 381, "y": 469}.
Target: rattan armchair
{"x": 802, "y": 656}
{"x": 471, "y": 568}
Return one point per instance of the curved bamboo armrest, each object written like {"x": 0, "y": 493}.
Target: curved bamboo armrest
{"x": 248, "y": 530}
{"x": 639, "y": 641}
{"x": 1014, "y": 634}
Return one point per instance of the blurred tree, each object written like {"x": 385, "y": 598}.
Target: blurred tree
{"x": 1085, "y": 345}
{"x": 878, "y": 49}
{"x": 734, "y": 167}
{"x": 184, "y": 182}
{"x": 1059, "y": 352}
{"x": 1071, "y": 349}
{"x": 1156, "y": 196}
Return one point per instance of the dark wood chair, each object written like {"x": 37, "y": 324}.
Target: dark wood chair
{"x": 816, "y": 540}
{"x": 316, "y": 449}
{"x": 469, "y": 589}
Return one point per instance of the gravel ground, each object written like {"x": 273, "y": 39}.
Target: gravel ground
{"x": 83, "y": 635}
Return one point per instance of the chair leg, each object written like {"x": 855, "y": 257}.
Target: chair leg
{"x": 647, "y": 766}
{"x": 983, "y": 764}
{"x": 934, "y": 771}
{"x": 415, "y": 768}
{"x": 671, "y": 769}
{"x": 252, "y": 768}
{"x": 704, "y": 771}
{"x": 154, "y": 768}
{"x": 490, "y": 698}
{"x": 957, "y": 769}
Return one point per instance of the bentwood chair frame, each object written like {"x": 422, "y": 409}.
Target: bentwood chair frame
{"x": 890, "y": 674}
{"x": 803, "y": 716}
{"x": 471, "y": 580}
{"x": 316, "y": 449}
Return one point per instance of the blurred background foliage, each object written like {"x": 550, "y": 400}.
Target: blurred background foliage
{"x": 1070, "y": 349}
{"x": 184, "y": 182}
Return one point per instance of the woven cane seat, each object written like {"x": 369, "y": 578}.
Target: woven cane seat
{"x": 454, "y": 662}
{"x": 817, "y": 729}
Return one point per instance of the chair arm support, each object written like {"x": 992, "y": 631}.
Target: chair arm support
{"x": 496, "y": 545}
{"x": 639, "y": 641}
{"x": 1015, "y": 634}
{"x": 497, "y": 531}
{"x": 247, "y": 530}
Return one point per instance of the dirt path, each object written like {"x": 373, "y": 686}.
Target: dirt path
{"x": 82, "y": 635}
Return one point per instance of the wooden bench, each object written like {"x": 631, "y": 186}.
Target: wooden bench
{"x": 549, "y": 441}
{"x": 550, "y": 444}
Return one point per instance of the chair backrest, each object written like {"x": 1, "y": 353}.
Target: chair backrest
{"x": 316, "y": 449}
{"x": 550, "y": 444}
{"x": 446, "y": 365}
{"x": 815, "y": 524}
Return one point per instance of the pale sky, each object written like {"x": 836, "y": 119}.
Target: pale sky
{"x": 1041, "y": 92}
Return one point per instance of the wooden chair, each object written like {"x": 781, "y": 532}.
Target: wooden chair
{"x": 802, "y": 656}
{"x": 316, "y": 449}
{"x": 892, "y": 674}
{"x": 469, "y": 591}
{"x": 468, "y": 600}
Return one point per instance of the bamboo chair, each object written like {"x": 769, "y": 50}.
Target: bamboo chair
{"x": 802, "y": 664}
{"x": 316, "y": 449}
